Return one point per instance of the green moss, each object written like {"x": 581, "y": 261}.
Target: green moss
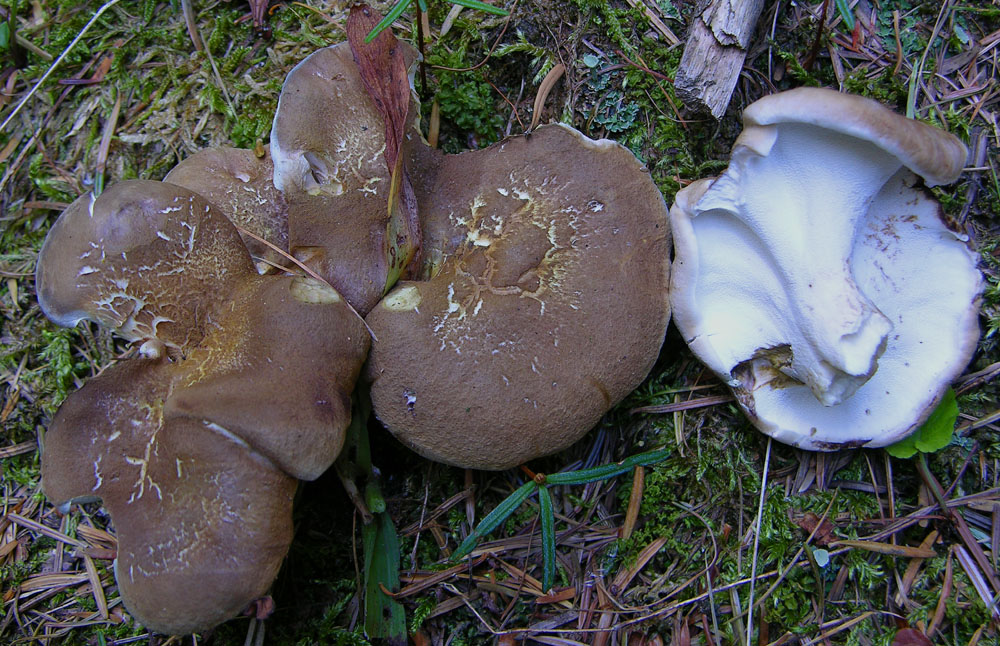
{"x": 59, "y": 364}
{"x": 468, "y": 103}
{"x": 887, "y": 88}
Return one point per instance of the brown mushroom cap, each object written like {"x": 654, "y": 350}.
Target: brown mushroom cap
{"x": 240, "y": 184}
{"x": 140, "y": 259}
{"x": 934, "y": 154}
{"x": 195, "y": 453}
{"x": 203, "y": 521}
{"x": 327, "y": 142}
{"x": 546, "y": 307}
{"x": 280, "y": 372}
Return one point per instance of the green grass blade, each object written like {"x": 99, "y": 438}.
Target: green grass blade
{"x": 608, "y": 470}
{"x": 494, "y": 518}
{"x": 423, "y": 5}
{"x": 548, "y": 539}
{"x": 844, "y": 9}
{"x": 481, "y": 6}
{"x": 385, "y": 617}
{"x": 390, "y": 17}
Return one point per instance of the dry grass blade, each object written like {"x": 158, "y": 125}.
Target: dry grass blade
{"x": 756, "y": 538}
{"x": 840, "y": 626}
{"x": 192, "y": 26}
{"x": 634, "y": 501}
{"x": 102, "y": 152}
{"x": 34, "y": 526}
{"x": 690, "y": 404}
{"x": 978, "y": 581}
{"x": 658, "y": 24}
{"x": 421, "y": 582}
{"x": 544, "y": 88}
{"x": 887, "y": 548}
{"x": 49, "y": 581}
{"x": 914, "y": 567}
{"x": 73, "y": 43}
{"x": 96, "y": 586}
{"x": 946, "y": 587}
{"x": 18, "y": 449}
{"x": 11, "y": 146}
{"x": 305, "y": 268}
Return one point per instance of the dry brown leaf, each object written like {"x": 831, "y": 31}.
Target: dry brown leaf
{"x": 910, "y": 637}
{"x": 887, "y": 548}
{"x": 810, "y": 522}
{"x": 544, "y": 89}
{"x": 383, "y": 73}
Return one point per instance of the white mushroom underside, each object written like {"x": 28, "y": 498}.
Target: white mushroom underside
{"x": 924, "y": 280}
{"x": 904, "y": 262}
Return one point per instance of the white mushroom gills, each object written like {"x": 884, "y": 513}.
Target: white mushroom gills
{"x": 819, "y": 279}
{"x": 806, "y": 215}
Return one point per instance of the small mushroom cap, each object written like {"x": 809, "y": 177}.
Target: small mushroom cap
{"x": 280, "y": 374}
{"x": 930, "y": 152}
{"x": 240, "y": 184}
{"x": 203, "y": 521}
{"x": 140, "y": 259}
{"x": 547, "y": 306}
{"x": 327, "y": 142}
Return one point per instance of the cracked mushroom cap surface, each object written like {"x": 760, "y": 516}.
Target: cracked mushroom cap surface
{"x": 195, "y": 454}
{"x": 327, "y": 142}
{"x": 546, "y": 305}
{"x": 203, "y": 522}
{"x": 140, "y": 260}
{"x": 817, "y": 277}
{"x": 241, "y": 185}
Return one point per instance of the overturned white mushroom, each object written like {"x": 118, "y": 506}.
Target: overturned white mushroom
{"x": 818, "y": 280}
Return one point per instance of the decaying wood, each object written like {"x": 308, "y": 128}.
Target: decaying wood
{"x": 714, "y": 54}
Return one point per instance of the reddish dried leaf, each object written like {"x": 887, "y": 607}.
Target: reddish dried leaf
{"x": 383, "y": 72}
{"x": 824, "y": 535}
{"x": 556, "y": 596}
{"x": 910, "y": 637}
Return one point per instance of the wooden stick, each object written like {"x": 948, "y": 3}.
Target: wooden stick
{"x": 714, "y": 54}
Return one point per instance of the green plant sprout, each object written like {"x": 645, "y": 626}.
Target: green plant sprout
{"x": 933, "y": 434}
{"x": 402, "y": 5}
{"x": 540, "y": 483}
{"x": 384, "y": 617}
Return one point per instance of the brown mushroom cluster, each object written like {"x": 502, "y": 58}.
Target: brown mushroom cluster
{"x": 539, "y": 303}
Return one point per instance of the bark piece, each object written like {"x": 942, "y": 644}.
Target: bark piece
{"x": 714, "y": 54}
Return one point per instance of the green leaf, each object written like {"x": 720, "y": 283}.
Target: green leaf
{"x": 933, "y": 434}
{"x": 548, "y": 539}
{"x": 4, "y": 35}
{"x": 385, "y": 618}
{"x": 390, "y": 17}
{"x": 844, "y": 9}
{"x": 608, "y": 470}
{"x": 481, "y": 6}
{"x": 494, "y": 518}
